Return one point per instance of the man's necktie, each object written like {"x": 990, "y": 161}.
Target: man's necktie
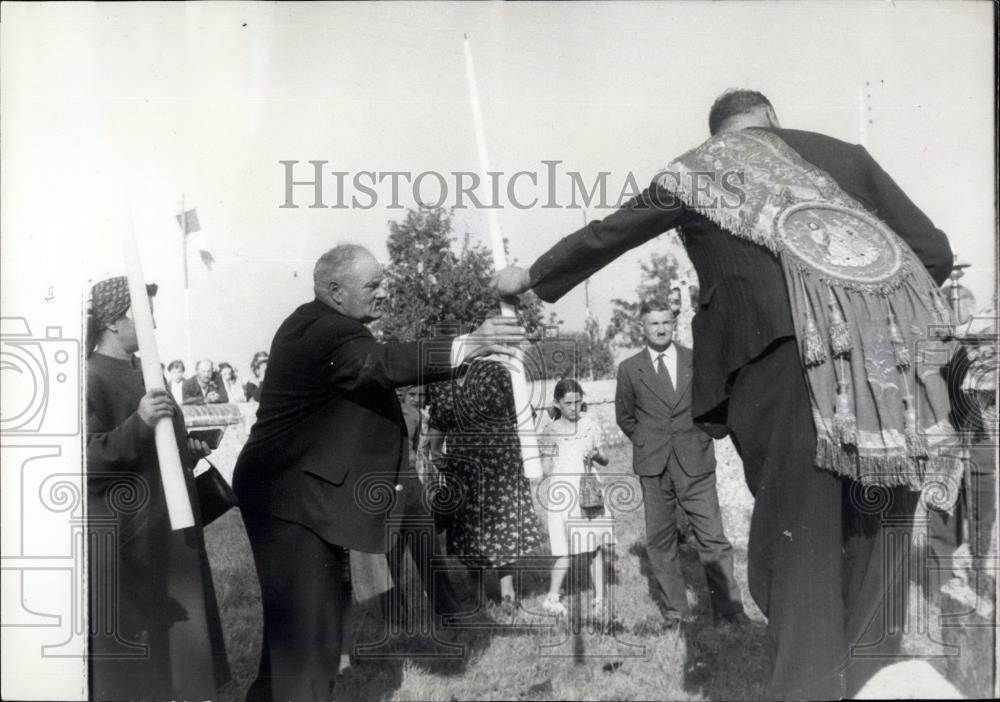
{"x": 661, "y": 370}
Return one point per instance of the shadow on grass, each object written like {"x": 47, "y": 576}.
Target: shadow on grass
{"x": 691, "y": 569}
{"x": 724, "y": 661}
{"x": 374, "y": 678}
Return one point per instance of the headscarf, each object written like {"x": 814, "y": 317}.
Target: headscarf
{"x": 109, "y": 301}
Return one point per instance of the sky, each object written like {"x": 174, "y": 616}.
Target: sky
{"x": 113, "y": 117}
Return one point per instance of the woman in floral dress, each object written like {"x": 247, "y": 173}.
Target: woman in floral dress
{"x": 490, "y": 515}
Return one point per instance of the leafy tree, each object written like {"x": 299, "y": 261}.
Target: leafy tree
{"x": 579, "y": 354}
{"x": 598, "y": 356}
{"x": 433, "y": 284}
{"x": 659, "y": 275}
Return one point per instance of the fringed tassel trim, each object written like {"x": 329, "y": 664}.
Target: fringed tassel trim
{"x": 845, "y": 422}
{"x": 840, "y": 335}
{"x": 734, "y": 220}
{"x": 900, "y": 348}
{"x": 916, "y": 444}
{"x": 938, "y": 476}
{"x": 813, "y": 351}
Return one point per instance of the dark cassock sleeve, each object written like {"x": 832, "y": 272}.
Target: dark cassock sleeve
{"x": 353, "y": 361}
{"x": 894, "y": 208}
{"x": 115, "y": 447}
{"x": 579, "y": 255}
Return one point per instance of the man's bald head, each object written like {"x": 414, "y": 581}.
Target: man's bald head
{"x": 738, "y": 109}
{"x": 204, "y": 368}
{"x": 349, "y": 279}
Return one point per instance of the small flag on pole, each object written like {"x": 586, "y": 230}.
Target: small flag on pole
{"x": 188, "y": 220}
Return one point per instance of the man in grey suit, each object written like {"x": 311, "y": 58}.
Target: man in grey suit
{"x": 675, "y": 462}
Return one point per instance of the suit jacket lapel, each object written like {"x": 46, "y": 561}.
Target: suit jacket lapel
{"x": 652, "y": 379}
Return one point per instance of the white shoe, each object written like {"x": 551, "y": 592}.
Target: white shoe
{"x": 553, "y": 605}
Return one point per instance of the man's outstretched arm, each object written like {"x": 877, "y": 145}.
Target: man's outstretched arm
{"x": 579, "y": 255}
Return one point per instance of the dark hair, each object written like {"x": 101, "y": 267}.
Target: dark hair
{"x": 655, "y": 304}
{"x": 176, "y": 364}
{"x": 226, "y": 364}
{"x": 566, "y": 386}
{"x": 563, "y": 388}
{"x": 732, "y": 103}
{"x": 258, "y": 358}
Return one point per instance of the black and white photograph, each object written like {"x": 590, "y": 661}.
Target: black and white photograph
{"x": 392, "y": 351}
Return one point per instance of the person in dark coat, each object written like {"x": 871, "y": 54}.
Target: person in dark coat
{"x": 326, "y": 463}
{"x": 675, "y": 462}
{"x": 258, "y": 367}
{"x": 822, "y": 590}
{"x": 155, "y": 628}
{"x": 205, "y": 386}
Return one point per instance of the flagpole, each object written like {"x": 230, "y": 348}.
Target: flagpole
{"x": 530, "y": 461}
{"x": 187, "y": 295}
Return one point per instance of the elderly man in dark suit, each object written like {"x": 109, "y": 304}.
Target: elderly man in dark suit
{"x": 326, "y": 462}
{"x": 205, "y": 386}
{"x": 675, "y": 462}
{"x": 819, "y": 565}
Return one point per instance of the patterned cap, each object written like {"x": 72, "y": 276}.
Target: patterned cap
{"x": 109, "y": 300}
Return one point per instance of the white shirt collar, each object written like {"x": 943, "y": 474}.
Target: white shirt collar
{"x": 669, "y": 360}
{"x": 669, "y": 355}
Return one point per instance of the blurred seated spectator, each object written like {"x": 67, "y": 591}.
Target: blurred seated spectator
{"x": 415, "y": 417}
{"x": 175, "y": 380}
{"x": 230, "y": 383}
{"x": 258, "y": 366}
{"x": 204, "y": 387}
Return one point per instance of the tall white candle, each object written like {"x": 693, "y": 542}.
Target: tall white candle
{"x": 519, "y": 379}
{"x": 171, "y": 472}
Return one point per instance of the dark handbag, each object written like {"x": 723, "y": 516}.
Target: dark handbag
{"x": 591, "y": 496}
{"x": 214, "y": 494}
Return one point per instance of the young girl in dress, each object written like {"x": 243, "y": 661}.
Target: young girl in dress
{"x": 572, "y": 440}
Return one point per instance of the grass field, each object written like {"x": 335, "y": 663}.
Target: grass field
{"x": 525, "y": 656}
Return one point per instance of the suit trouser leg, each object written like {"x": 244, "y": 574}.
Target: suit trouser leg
{"x": 660, "y": 503}
{"x": 976, "y": 503}
{"x": 305, "y": 602}
{"x": 944, "y": 536}
{"x": 699, "y": 500}
{"x": 417, "y": 535}
{"x": 982, "y": 496}
{"x": 796, "y": 539}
